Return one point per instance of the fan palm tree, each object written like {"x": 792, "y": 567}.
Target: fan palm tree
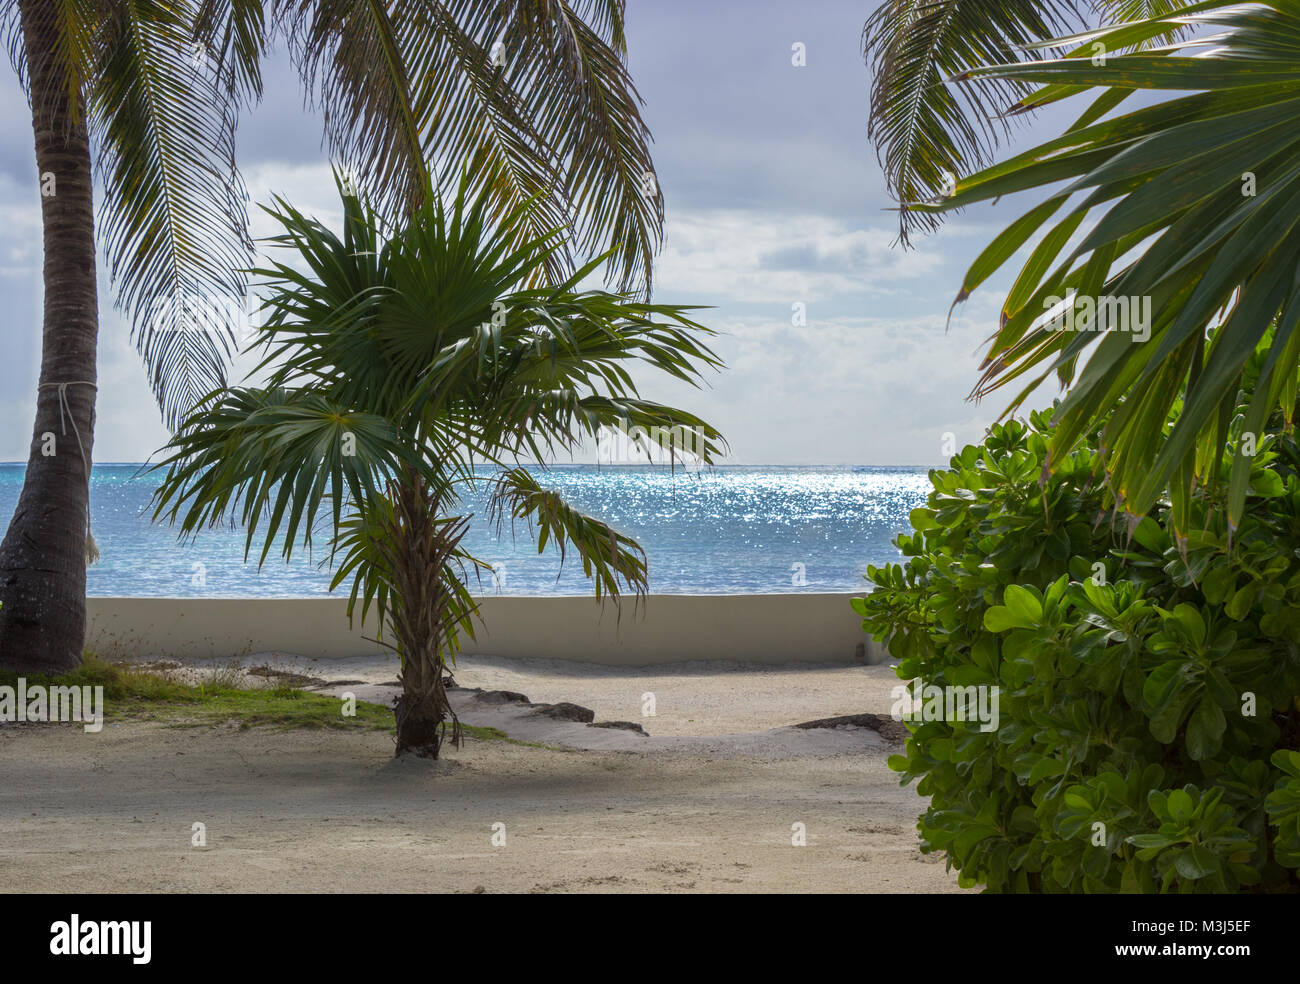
{"x": 537, "y": 91}
{"x": 398, "y": 357}
{"x": 1191, "y": 204}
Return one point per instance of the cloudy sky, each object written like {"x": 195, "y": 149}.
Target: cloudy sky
{"x": 774, "y": 199}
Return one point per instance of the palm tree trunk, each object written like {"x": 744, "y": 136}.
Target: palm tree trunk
{"x": 43, "y": 555}
{"x": 420, "y": 616}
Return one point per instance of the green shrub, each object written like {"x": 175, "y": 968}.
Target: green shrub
{"x": 1147, "y": 686}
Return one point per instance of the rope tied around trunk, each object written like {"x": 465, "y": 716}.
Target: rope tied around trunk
{"x": 65, "y": 414}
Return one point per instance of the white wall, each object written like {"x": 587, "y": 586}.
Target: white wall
{"x": 666, "y": 629}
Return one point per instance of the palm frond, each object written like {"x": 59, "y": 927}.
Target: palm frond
{"x": 405, "y": 85}
{"x": 410, "y": 91}
{"x": 455, "y": 270}
{"x": 534, "y": 101}
{"x": 238, "y": 33}
{"x": 925, "y": 130}
{"x": 585, "y": 106}
{"x": 1192, "y": 208}
{"x": 614, "y": 562}
{"x": 76, "y": 49}
{"x": 1133, "y": 11}
{"x": 269, "y": 459}
{"x": 174, "y": 212}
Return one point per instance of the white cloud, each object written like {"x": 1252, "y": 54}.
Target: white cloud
{"x": 756, "y": 257}
{"x": 851, "y": 390}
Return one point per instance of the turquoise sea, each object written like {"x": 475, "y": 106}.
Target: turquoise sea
{"x": 728, "y": 530}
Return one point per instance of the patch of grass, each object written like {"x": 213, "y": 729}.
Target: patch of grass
{"x": 136, "y": 693}
{"x": 278, "y": 706}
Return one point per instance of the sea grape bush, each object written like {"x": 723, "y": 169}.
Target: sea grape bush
{"x": 1147, "y": 683}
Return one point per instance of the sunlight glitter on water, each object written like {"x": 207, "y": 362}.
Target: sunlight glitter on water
{"x": 729, "y": 530}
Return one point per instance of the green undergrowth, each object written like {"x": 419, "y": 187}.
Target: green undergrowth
{"x": 138, "y": 693}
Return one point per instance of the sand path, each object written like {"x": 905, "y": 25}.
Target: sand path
{"x": 706, "y": 803}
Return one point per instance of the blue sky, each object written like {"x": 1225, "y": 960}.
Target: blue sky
{"x": 774, "y": 198}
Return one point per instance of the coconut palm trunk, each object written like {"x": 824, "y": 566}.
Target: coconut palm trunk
{"x": 43, "y": 556}
{"x": 419, "y": 547}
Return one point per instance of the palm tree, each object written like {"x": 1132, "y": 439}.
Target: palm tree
{"x": 1191, "y": 205}
{"x": 537, "y": 91}
{"x": 398, "y": 358}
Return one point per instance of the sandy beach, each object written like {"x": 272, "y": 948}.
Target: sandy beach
{"x": 707, "y": 801}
